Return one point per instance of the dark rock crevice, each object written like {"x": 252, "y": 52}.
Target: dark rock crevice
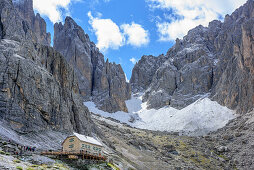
{"x": 2, "y": 33}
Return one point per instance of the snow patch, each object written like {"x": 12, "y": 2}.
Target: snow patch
{"x": 18, "y": 56}
{"x": 216, "y": 62}
{"x": 121, "y": 116}
{"x": 199, "y": 118}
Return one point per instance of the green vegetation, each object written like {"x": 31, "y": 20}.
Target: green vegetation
{"x": 29, "y": 168}
{"x": 19, "y": 168}
{"x": 113, "y": 166}
{"x": 224, "y": 157}
{"x": 2, "y": 152}
{"x": 16, "y": 161}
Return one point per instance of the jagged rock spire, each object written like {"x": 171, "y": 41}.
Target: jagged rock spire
{"x": 100, "y": 81}
{"x": 35, "y": 22}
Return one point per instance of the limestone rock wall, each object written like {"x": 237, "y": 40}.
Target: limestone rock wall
{"x": 38, "y": 88}
{"x": 99, "y": 81}
{"x": 34, "y": 22}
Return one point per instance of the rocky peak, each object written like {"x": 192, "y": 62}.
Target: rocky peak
{"x": 100, "y": 81}
{"x": 216, "y": 59}
{"x": 70, "y": 24}
{"x": 71, "y": 41}
{"x": 25, "y": 7}
{"x": 35, "y": 22}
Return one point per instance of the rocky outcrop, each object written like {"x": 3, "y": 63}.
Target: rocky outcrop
{"x": 217, "y": 59}
{"x": 117, "y": 89}
{"x": 143, "y": 71}
{"x": 38, "y": 89}
{"x": 100, "y": 81}
{"x": 184, "y": 73}
{"x": 35, "y": 22}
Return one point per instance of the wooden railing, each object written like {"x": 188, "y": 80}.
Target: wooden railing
{"x": 75, "y": 155}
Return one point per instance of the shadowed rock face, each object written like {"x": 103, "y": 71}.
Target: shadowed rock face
{"x": 217, "y": 59}
{"x": 143, "y": 71}
{"x": 35, "y": 22}
{"x": 38, "y": 89}
{"x": 100, "y": 81}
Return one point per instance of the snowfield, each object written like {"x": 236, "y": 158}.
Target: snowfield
{"x": 199, "y": 118}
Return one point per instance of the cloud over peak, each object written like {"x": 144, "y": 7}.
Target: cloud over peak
{"x": 137, "y": 35}
{"x": 110, "y": 35}
{"x": 192, "y": 13}
{"x": 107, "y": 32}
{"x": 53, "y": 8}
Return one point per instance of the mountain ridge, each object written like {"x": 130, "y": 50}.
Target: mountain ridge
{"x": 41, "y": 102}
{"x": 200, "y": 64}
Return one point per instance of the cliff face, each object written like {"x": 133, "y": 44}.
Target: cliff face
{"x": 235, "y": 87}
{"x": 38, "y": 89}
{"x": 143, "y": 71}
{"x": 35, "y": 22}
{"x": 183, "y": 75}
{"x": 217, "y": 59}
{"x": 100, "y": 81}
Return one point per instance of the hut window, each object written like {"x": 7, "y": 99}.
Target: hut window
{"x": 95, "y": 148}
{"x": 71, "y": 140}
{"x": 71, "y": 146}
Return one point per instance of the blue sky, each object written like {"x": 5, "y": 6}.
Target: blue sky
{"x": 124, "y": 30}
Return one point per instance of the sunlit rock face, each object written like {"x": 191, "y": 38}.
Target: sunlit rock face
{"x": 217, "y": 59}
{"x": 34, "y": 22}
{"x": 99, "y": 81}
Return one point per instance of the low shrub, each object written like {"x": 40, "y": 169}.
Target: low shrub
{"x": 29, "y": 168}
{"x": 16, "y": 161}
{"x": 19, "y": 168}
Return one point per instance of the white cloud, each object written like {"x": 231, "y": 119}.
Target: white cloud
{"x": 107, "y": 32}
{"x": 137, "y": 35}
{"x": 51, "y": 8}
{"x": 133, "y": 60}
{"x": 192, "y": 13}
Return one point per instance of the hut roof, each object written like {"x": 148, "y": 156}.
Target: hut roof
{"x": 87, "y": 139}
